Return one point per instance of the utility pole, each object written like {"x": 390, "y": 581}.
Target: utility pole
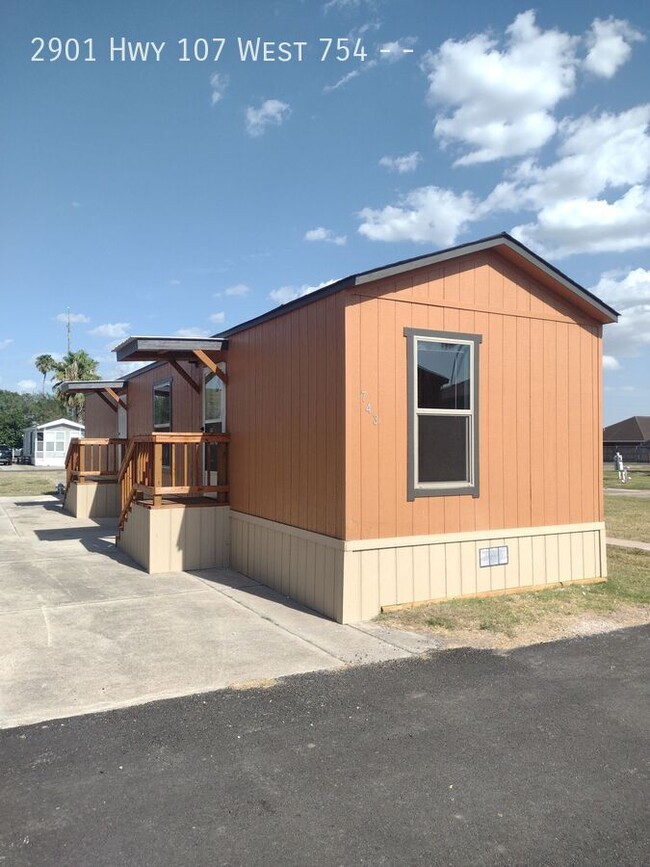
{"x": 69, "y": 332}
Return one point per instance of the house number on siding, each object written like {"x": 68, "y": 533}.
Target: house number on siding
{"x": 368, "y": 407}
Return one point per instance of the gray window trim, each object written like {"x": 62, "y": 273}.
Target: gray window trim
{"x": 472, "y": 490}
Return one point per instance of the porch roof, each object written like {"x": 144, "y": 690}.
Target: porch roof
{"x": 167, "y": 348}
{"x": 89, "y": 386}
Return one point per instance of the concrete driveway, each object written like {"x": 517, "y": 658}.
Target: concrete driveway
{"x": 85, "y": 629}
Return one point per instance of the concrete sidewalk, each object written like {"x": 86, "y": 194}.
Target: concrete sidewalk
{"x": 628, "y": 543}
{"x": 84, "y": 629}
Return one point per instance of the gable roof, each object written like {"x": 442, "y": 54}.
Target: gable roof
{"x": 56, "y": 423}
{"x": 504, "y": 243}
{"x": 631, "y": 430}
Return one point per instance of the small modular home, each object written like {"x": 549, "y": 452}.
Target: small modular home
{"x": 403, "y": 435}
{"x": 45, "y": 445}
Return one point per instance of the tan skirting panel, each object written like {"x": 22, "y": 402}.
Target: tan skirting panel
{"x": 386, "y": 572}
{"x": 351, "y": 581}
{"x": 177, "y": 538}
{"x": 306, "y": 566}
{"x": 93, "y": 500}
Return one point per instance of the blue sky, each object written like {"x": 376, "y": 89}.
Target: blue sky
{"x": 162, "y": 197}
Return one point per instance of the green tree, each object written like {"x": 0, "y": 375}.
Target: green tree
{"x": 14, "y": 416}
{"x": 18, "y": 411}
{"x": 44, "y": 364}
{"x": 74, "y": 366}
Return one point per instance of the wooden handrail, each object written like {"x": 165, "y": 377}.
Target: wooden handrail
{"x": 93, "y": 458}
{"x": 180, "y": 464}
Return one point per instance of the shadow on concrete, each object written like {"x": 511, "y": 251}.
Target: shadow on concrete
{"x": 236, "y": 581}
{"x": 48, "y": 505}
{"x": 93, "y": 539}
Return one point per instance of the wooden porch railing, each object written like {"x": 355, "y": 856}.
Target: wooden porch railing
{"x": 98, "y": 458}
{"x": 177, "y": 464}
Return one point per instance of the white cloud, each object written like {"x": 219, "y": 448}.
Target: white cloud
{"x": 501, "y": 101}
{"x": 5, "y": 343}
{"x": 174, "y": 282}
{"x": 347, "y": 5}
{"x": 72, "y": 317}
{"x": 629, "y": 293}
{"x": 218, "y": 83}
{"x": 610, "y": 363}
{"x": 273, "y": 112}
{"x": 426, "y": 215}
{"x": 609, "y": 46}
{"x": 590, "y": 225}
{"x": 595, "y": 154}
{"x": 355, "y": 73}
{"x": 623, "y": 289}
{"x": 387, "y": 52}
{"x": 218, "y": 318}
{"x": 26, "y": 386}
{"x": 116, "y": 370}
{"x": 111, "y": 329}
{"x": 322, "y": 234}
{"x": 191, "y": 332}
{"x": 402, "y": 165}
{"x": 576, "y": 199}
{"x": 238, "y": 290}
{"x": 289, "y": 293}
{"x": 57, "y": 356}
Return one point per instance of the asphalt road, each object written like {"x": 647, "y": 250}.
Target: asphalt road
{"x": 465, "y": 757}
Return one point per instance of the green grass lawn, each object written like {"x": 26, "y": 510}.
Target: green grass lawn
{"x": 15, "y": 483}
{"x": 639, "y": 477}
{"x": 628, "y": 585}
{"x": 627, "y": 517}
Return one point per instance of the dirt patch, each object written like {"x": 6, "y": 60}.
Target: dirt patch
{"x": 258, "y": 683}
{"x": 571, "y": 626}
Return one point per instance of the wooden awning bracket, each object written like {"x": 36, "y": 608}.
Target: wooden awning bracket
{"x": 211, "y": 364}
{"x": 111, "y": 398}
{"x": 195, "y": 385}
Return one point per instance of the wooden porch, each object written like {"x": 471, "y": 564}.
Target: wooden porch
{"x": 92, "y": 466}
{"x": 166, "y": 470}
{"x": 98, "y": 459}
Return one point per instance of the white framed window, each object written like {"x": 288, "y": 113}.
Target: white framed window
{"x": 214, "y": 402}
{"x": 442, "y": 413}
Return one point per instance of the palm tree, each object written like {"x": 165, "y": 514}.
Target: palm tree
{"x": 44, "y": 364}
{"x": 74, "y": 366}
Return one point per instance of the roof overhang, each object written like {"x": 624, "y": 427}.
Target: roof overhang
{"x": 518, "y": 254}
{"x": 108, "y": 390}
{"x": 503, "y": 244}
{"x": 166, "y": 348}
{"x": 205, "y": 351}
{"x": 89, "y": 386}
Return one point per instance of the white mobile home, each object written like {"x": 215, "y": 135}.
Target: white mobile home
{"x": 46, "y": 445}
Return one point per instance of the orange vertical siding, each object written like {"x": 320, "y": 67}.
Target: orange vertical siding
{"x": 539, "y": 401}
{"x": 285, "y": 412}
